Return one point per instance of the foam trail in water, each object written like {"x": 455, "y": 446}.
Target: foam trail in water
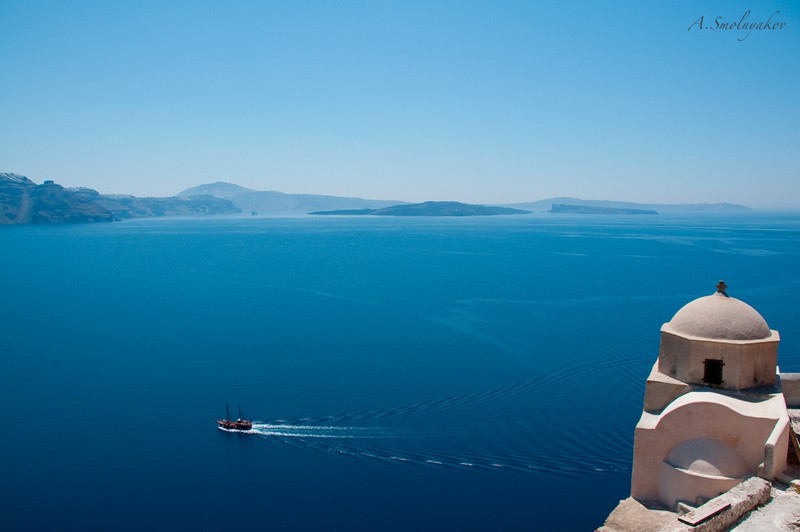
{"x": 286, "y": 430}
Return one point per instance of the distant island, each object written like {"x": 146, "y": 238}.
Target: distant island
{"x": 559, "y": 208}
{"x": 545, "y": 205}
{"x": 24, "y": 202}
{"x": 274, "y": 202}
{"x": 428, "y": 208}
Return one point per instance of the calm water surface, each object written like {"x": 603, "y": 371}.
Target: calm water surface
{"x": 425, "y": 374}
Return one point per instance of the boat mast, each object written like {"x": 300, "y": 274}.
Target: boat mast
{"x": 227, "y": 412}
{"x": 240, "y": 411}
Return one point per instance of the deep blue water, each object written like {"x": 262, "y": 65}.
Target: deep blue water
{"x": 407, "y": 374}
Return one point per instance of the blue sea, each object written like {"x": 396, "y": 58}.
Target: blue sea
{"x": 404, "y": 374}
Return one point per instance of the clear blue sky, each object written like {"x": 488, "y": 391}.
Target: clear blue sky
{"x": 500, "y": 101}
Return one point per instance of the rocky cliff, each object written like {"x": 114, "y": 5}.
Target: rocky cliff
{"x": 22, "y": 201}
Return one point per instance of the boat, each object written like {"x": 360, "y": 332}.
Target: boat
{"x": 239, "y": 424}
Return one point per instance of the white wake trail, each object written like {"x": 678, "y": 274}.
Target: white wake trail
{"x": 285, "y": 430}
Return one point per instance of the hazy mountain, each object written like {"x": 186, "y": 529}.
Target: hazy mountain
{"x": 219, "y": 189}
{"x": 273, "y": 202}
{"x": 23, "y": 201}
{"x": 429, "y": 208}
{"x": 559, "y": 208}
{"x": 125, "y": 206}
{"x": 545, "y": 205}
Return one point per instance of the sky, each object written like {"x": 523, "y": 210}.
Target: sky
{"x": 477, "y": 101}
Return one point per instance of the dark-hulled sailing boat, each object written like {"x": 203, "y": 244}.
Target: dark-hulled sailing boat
{"x": 239, "y": 424}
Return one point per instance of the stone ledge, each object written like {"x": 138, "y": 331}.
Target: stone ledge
{"x": 743, "y": 498}
{"x": 633, "y": 516}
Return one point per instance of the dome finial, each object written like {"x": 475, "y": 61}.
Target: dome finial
{"x": 721, "y": 286}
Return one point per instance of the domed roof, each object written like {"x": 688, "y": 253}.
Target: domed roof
{"x": 708, "y": 457}
{"x": 720, "y": 317}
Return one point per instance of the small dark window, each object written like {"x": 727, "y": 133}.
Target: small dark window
{"x": 713, "y": 372}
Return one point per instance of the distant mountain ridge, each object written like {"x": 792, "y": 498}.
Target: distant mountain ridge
{"x": 220, "y": 189}
{"x": 429, "y": 208}
{"x": 22, "y": 201}
{"x": 545, "y": 205}
{"x": 280, "y": 203}
{"x": 559, "y": 208}
{"x": 274, "y": 202}
{"x": 125, "y": 206}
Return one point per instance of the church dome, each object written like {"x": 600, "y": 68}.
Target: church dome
{"x": 720, "y": 317}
